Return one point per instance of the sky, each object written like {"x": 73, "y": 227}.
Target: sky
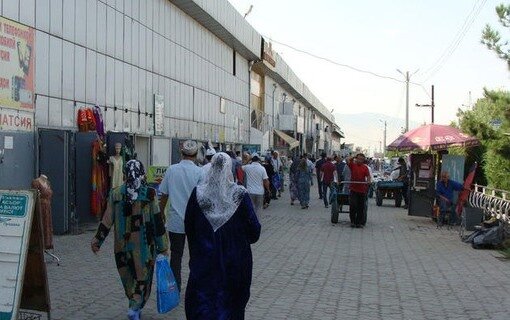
{"x": 382, "y": 36}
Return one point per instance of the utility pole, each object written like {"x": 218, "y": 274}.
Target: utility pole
{"x": 431, "y": 105}
{"x": 407, "y": 79}
{"x": 384, "y": 137}
{"x": 407, "y": 105}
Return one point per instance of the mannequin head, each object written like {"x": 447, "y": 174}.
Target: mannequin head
{"x": 118, "y": 148}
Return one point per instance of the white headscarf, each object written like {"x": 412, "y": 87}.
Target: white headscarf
{"x": 217, "y": 195}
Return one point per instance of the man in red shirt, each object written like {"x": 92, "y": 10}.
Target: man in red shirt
{"x": 328, "y": 176}
{"x": 358, "y": 191}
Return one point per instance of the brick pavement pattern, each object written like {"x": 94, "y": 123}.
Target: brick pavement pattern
{"x": 397, "y": 267}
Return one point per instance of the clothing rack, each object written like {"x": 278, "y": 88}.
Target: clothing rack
{"x": 495, "y": 202}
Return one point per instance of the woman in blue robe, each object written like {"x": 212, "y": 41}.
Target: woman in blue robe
{"x": 304, "y": 178}
{"x": 220, "y": 225}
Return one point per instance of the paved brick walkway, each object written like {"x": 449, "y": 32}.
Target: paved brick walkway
{"x": 398, "y": 267}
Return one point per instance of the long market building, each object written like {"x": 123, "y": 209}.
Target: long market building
{"x": 157, "y": 72}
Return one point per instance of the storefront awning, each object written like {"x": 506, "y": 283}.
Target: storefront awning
{"x": 293, "y": 143}
{"x": 339, "y": 133}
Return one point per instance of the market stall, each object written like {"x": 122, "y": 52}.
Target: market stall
{"x": 430, "y": 142}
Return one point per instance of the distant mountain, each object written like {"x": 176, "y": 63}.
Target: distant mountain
{"x": 367, "y": 131}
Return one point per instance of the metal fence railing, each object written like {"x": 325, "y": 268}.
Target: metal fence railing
{"x": 495, "y": 202}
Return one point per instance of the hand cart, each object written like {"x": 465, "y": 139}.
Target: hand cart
{"x": 389, "y": 190}
{"x": 339, "y": 197}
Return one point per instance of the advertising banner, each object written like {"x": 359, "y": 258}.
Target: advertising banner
{"x": 17, "y": 58}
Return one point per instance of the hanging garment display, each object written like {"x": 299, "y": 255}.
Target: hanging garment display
{"x": 98, "y": 119}
{"x": 81, "y": 120}
{"x": 99, "y": 178}
{"x": 42, "y": 184}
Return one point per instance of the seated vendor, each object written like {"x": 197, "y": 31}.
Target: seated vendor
{"x": 444, "y": 193}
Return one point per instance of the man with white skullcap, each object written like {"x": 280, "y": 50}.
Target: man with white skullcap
{"x": 179, "y": 181}
{"x": 209, "y": 153}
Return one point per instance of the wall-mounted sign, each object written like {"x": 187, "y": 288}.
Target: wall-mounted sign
{"x": 222, "y": 105}
{"x": 15, "y": 120}
{"x": 251, "y": 148}
{"x": 159, "y": 115}
{"x": 17, "y": 58}
{"x": 268, "y": 54}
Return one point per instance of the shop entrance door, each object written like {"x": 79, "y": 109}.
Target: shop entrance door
{"x": 143, "y": 150}
{"x": 83, "y": 176}
{"x": 54, "y": 162}
{"x": 17, "y": 158}
{"x": 112, "y": 138}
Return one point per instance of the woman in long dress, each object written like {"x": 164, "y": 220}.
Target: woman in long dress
{"x": 139, "y": 235}
{"x": 220, "y": 225}
{"x": 293, "y": 179}
{"x": 304, "y": 177}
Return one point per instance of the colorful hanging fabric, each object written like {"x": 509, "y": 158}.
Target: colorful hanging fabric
{"x": 98, "y": 118}
{"x": 81, "y": 120}
{"x": 91, "y": 122}
{"x": 99, "y": 179}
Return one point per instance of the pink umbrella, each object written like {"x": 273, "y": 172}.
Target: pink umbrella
{"x": 432, "y": 137}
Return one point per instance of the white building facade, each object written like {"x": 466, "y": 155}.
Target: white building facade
{"x": 214, "y": 74}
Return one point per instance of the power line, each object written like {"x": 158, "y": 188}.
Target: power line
{"x": 336, "y": 63}
{"x": 343, "y": 64}
{"x": 438, "y": 65}
{"x": 453, "y": 40}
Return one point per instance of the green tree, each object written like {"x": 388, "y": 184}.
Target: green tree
{"x": 489, "y": 120}
{"x": 492, "y": 37}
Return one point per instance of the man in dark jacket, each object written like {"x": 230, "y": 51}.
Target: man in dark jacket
{"x": 318, "y": 166}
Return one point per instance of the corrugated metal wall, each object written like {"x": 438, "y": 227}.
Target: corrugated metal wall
{"x": 119, "y": 53}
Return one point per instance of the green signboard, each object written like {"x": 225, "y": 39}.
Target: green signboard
{"x": 155, "y": 174}
{"x": 13, "y": 205}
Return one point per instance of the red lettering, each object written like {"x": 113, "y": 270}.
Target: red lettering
{"x": 4, "y": 83}
{"x": 16, "y": 121}
{"x": 5, "y": 55}
{"x": 17, "y": 32}
{"x": 8, "y": 42}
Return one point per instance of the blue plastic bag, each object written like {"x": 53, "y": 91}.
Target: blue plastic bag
{"x": 167, "y": 292}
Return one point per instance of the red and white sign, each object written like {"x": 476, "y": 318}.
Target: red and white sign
{"x": 14, "y": 120}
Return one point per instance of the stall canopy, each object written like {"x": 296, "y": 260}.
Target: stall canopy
{"x": 293, "y": 143}
{"x": 432, "y": 137}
